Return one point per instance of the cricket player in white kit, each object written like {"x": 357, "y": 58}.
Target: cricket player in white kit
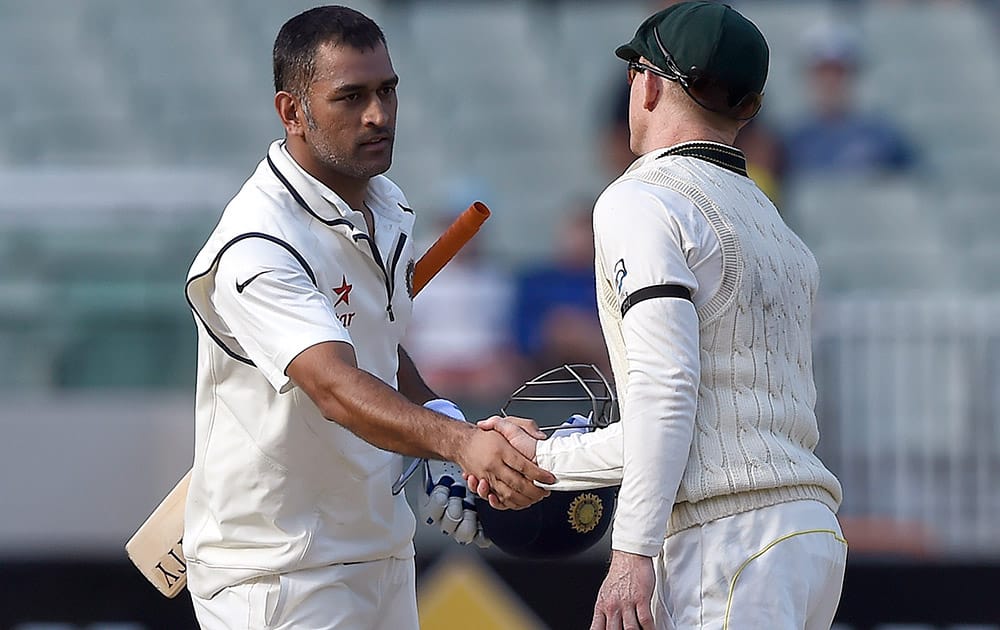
{"x": 302, "y": 294}
{"x": 726, "y": 518}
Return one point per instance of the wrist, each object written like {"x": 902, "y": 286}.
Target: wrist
{"x": 626, "y": 545}
{"x": 628, "y": 557}
{"x": 455, "y": 441}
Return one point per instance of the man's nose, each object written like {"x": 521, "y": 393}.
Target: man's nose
{"x": 376, "y": 113}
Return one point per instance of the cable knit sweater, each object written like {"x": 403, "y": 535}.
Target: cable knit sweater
{"x": 753, "y": 429}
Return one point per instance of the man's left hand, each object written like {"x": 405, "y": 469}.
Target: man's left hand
{"x": 624, "y": 601}
{"x": 447, "y": 502}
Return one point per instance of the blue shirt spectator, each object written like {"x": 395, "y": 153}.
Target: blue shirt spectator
{"x": 541, "y": 292}
{"x": 555, "y": 305}
{"x": 849, "y": 143}
{"x": 836, "y": 138}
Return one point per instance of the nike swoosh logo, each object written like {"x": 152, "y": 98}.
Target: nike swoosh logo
{"x": 240, "y": 286}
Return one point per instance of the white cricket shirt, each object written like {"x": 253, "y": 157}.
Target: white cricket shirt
{"x": 275, "y": 486}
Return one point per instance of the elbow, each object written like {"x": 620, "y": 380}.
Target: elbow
{"x": 329, "y": 375}
{"x": 330, "y": 404}
{"x": 337, "y": 396}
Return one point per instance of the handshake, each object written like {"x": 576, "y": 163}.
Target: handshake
{"x": 498, "y": 464}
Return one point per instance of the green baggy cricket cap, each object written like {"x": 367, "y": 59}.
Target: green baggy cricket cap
{"x": 706, "y": 40}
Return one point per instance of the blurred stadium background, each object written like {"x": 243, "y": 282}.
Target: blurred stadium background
{"x": 126, "y": 125}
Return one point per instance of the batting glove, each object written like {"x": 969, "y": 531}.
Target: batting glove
{"x": 447, "y": 502}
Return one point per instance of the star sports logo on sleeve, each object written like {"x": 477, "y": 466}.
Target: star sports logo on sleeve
{"x": 343, "y": 292}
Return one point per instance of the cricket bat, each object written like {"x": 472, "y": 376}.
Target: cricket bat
{"x": 155, "y": 548}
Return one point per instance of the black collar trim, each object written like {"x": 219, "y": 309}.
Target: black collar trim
{"x": 301, "y": 201}
{"x": 729, "y": 158}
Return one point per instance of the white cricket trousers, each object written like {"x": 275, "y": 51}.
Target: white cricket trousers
{"x": 379, "y": 595}
{"x": 775, "y": 568}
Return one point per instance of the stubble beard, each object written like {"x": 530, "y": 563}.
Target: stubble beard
{"x": 338, "y": 161}
{"x": 351, "y": 167}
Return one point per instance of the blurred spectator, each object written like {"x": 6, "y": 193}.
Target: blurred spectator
{"x": 616, "y": 152}
{"x": 459, "y": 335}
{"x": 835, "y": 137}
{"x": 555, "y": 306}
{"x": 766, "y": 159}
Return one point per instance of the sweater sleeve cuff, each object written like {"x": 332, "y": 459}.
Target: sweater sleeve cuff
{"x": 582, "y": 461}
{"x": 631, "y": 545}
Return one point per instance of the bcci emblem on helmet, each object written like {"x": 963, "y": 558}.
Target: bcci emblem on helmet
{"x": 585, "y": 513}
{"x": 566, "y": 522}
{"x": 561, "y": 525}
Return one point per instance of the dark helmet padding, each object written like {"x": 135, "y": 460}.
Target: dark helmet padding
{"x": 561, "y": 525}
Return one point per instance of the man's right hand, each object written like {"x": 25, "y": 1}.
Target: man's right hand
{"x": 523, "y": 434}
{"x": 500, "y": 459}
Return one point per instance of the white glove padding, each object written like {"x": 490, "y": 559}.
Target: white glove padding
{"x": 574, "y": 424}
{"x": 447, "y": 501}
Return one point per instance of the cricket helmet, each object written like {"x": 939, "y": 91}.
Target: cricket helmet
{"x": 566, "y": 522}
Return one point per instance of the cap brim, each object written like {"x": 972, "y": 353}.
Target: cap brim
{"x": 627, "y": 52}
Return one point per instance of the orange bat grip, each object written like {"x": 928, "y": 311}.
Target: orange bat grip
{"x": 448, "y": 244}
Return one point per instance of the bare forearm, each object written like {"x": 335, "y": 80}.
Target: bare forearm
{"x": 371, "y": 409}
{"x": 380, "y": 415}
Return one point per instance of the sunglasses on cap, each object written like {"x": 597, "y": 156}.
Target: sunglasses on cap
{"x": 704, "y": 91}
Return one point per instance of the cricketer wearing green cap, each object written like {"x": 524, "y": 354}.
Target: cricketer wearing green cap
{"x": 726, "y": 518}
{"x": 715, "y": 54}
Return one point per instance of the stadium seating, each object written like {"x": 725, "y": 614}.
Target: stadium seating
{"x": 508, "y": 94}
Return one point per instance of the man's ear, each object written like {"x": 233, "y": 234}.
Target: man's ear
{"x": 291, "y": 113}
{"x": 749, "y": 106}
{"x": 652, "y": 90}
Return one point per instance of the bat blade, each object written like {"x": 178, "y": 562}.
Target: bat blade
{"x": 155, "y": 548}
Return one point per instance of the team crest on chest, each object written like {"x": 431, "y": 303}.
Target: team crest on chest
{"x": 410, "y": 267}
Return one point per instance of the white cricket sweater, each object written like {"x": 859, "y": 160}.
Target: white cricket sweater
{"x": 748, "y": 399}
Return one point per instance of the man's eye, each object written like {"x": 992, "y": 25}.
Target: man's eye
{"x": 350, "y": 98}
{"x": 386, "y": 91}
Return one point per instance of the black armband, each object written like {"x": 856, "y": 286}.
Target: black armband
{"x": 656, "y": 291}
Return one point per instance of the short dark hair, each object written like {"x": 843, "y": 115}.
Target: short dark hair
{"x": 299, "y": 38}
